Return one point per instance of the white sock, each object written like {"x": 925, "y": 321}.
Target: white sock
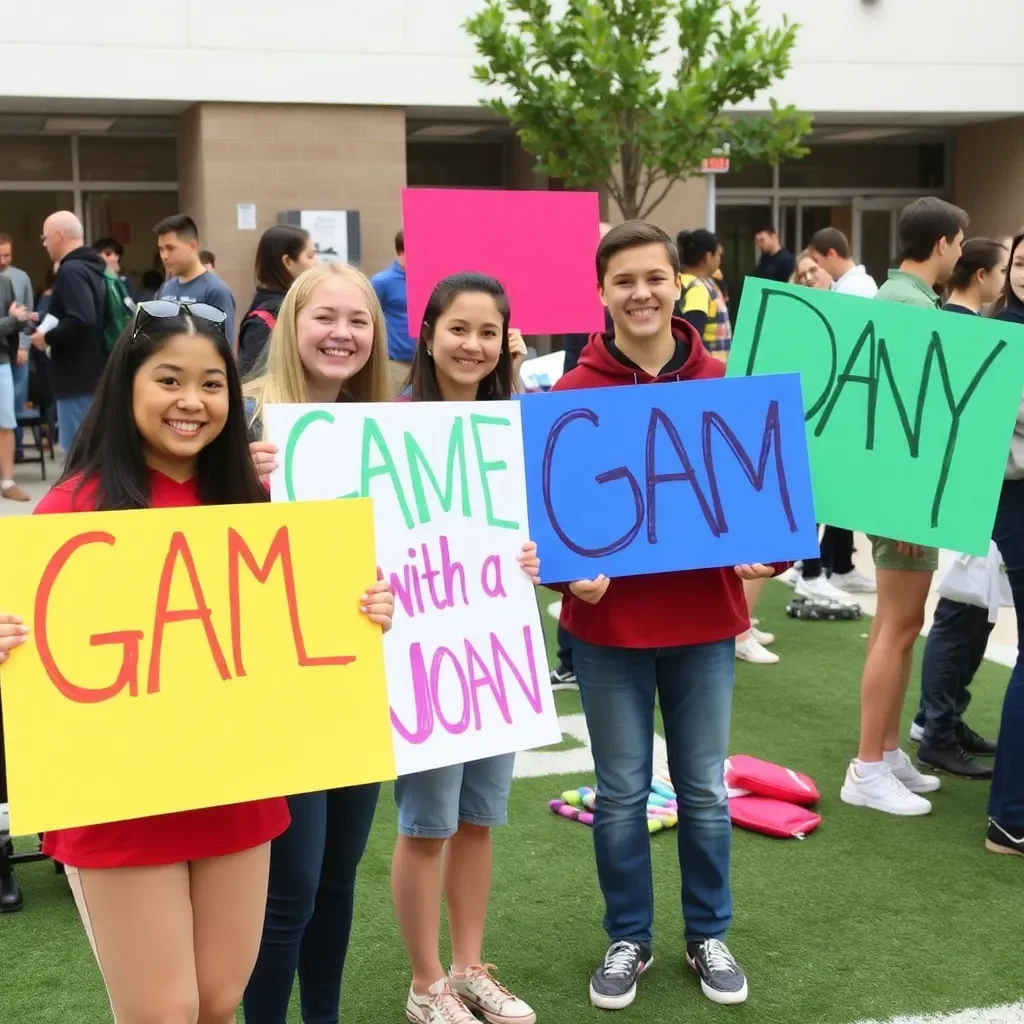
{"x": 866, "y": 769}
{"x": 6, "y": 485}
{"x": 5, "y": 820}
{"x": 893, "y": 758}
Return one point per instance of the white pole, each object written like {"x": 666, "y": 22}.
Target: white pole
{"x": 710, "y": 200}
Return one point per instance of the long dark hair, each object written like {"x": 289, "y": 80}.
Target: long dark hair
{"x": 498, "y": 383}
{"x": 1009, "y": 299}
{"x": 277, "y": 242}
{"x": 108, "y": 448}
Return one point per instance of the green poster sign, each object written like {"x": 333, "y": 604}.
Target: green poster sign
{"x": 909, "y": 411}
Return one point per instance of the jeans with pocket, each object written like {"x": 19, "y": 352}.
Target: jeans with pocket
{"x": 310, "y": 904}
{"x": 694, "y": 688}
{"x": 1006, "y": 798}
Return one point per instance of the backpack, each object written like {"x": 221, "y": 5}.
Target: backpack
{"x": 118, "y": 311}
{"x": 265, "y": 315}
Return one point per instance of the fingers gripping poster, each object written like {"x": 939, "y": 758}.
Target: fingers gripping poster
{"x": 466, "y": 663}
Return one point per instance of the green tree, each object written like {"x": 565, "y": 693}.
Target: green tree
{"x": 634, "y": 94}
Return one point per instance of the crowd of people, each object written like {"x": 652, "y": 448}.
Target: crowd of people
{"x": 192, "y": 914}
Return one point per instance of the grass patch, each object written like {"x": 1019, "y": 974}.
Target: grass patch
{"x": 868, "y": 918}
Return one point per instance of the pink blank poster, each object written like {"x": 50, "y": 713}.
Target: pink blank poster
{"x": 540, "y": 245}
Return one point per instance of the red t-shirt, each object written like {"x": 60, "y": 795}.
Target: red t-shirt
{"x": 163, "y": 838}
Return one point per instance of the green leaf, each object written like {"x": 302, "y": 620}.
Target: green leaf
{"x": 587, "y": 96}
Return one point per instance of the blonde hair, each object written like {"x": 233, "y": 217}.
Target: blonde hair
{"x": 282, "y": 377}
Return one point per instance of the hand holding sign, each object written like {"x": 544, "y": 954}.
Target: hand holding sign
{"x": 264, "y": 458}
{"x": 13, "y": 633}
{"x": 590, "y": 591}
{"x": 754, "y": 572}
{"x": 378, "y": 604}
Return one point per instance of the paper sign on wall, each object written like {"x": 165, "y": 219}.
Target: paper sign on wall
{"x": 466, "y": 663}
{"x": 909, "y": 411}
{"x": 527, "y": 240}
{"x": 225, "y": 660}
{"x": 691, "y": 475}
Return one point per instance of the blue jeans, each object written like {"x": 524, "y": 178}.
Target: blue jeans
{"x": 70, "y": 413}
{"x": 1006, "y": 800}
{"x": 309, "y": 905}
{"x": 20, "y": 398}
{"x": 694, "y": 688}
{"x": 953, "y": 654}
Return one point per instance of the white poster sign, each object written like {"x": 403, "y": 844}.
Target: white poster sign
{"x": 466, "y": 662}
{"x": 328, "y": 231}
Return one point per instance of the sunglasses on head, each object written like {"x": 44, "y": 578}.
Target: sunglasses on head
{"x": 166, "y": 309}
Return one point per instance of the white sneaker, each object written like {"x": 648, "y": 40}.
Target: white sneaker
{"x": 750, "y": 650}
{"x": 790, "y": 576}
{"x": 853, "y": 582}
{"x": 763, "y": 638}
{"x": 478, "y": 989}
{"x": 916, "y": 732}
{"x": 439, "y": 1006}
{"x": 819, "y": 589}
{"x": 916, "y": 781}
{"x": 881, "y": 791}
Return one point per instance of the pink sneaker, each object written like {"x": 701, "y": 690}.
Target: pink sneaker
{"x": 479, "y": 990}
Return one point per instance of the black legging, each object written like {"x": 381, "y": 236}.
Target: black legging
{"x": 837, "y": 550}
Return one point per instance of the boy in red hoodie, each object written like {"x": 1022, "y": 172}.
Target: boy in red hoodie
{"x": 671, "y": 633}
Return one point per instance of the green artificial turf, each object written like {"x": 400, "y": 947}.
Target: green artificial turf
{"x": 870, "y": 917}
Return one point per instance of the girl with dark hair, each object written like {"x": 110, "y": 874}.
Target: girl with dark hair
{"x": 978, "y": 276}
{"x": 445, "y": 815}
{"x": 283, "y": 253}
{"x": 701, "y": 303}
{"x": 173, "y": 904}
{"x": 1006, "y": 800}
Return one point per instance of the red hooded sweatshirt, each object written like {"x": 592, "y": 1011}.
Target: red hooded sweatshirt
{"x": 671, "y": 609}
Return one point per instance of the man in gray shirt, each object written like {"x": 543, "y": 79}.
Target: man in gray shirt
{"x": 189, "y": 281}
{"x": 23, "y": 296}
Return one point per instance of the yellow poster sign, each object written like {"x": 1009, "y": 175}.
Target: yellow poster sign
{"x": 190, "y": 657}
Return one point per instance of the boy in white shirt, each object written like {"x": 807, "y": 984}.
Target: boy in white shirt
{"x": 830, "y": 249}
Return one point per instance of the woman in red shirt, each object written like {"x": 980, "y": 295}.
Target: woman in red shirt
{"x": 173, "y": 904}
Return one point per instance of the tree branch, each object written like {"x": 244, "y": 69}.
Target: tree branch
{"x": 657, "y": 202}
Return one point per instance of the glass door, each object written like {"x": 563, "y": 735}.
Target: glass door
{"x": 875, "y": 239}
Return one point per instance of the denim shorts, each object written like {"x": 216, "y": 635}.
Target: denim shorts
{"x": 431, "y": 804}
{"x": 8, "y": 421}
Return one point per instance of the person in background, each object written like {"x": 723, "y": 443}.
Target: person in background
{"x": 701, "y": 304}
{"x": 810, "y": 580}
{"x": 390, "y": 286}
{"x": 882, "y": 776}
{"x": 152, "y": 282}
{"x": 282, "y": 254}
{"x": 720, "y": 279}
{"x": 12, "y": 320}
{"x": 78, "y": 303}
{"x": 208, "y": 260}
{"x": 830, "y": 249}
{"x": 978, "y": 278}
{"x": 112, "y": 252}
{"x": 188, "y": 281}
{"x": 1006, "y": 799}
{"x": 21, "y": 366}
{"x": 775, "y": 263}
{"x": 959, "y": 634}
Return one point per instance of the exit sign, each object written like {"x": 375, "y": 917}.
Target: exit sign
{"x": 715, "y": 164}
